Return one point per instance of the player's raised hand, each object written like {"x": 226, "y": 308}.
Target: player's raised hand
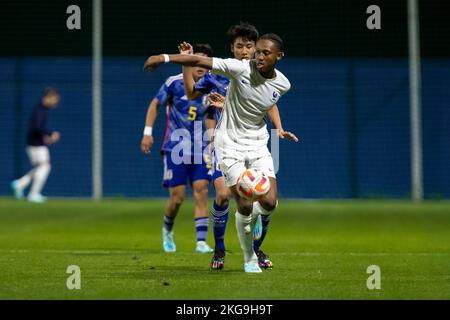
{"x": 153, "y": 62}
{"x": 216, "y": 100}
{"x": 146, "y": 144}
{"x": 186, "y": 48}
{"x": 53, "y": 138}
{"x": 286, "y": 135}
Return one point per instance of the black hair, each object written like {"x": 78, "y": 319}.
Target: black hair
{"x": 274, "y": 38}
{"x": 203, "y": 48}
{"x": 49, "y": 91}
{"x": 244, "y": 30}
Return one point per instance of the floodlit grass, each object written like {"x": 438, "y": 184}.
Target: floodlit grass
{"x": 321, "y": 250}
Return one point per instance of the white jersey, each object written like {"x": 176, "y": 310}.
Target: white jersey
{"x": 248, "y": 99}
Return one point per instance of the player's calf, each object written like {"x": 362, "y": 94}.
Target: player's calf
{"x": 222, "y": 198}
{"x": 174, "y": 203}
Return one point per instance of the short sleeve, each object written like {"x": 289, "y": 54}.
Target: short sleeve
{"x": 211, "y": 113}
{"x": 229, "y": 67}
{"x": 163, "y": 94}
{"x": 204, "y": 85}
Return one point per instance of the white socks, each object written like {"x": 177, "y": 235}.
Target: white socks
{"x": 40, "y": 177}
{"x": 245, "y": 226}
{"x": 23, "y": 182}
{"x": 244, "y": 230}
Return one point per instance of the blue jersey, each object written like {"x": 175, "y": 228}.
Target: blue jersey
{"x": 213, "y": 83}
{"x": 37, "y": 126}
{"x": 184, "y": 114}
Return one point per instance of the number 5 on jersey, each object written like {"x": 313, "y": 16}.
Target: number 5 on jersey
{"x": 192, "y": 113}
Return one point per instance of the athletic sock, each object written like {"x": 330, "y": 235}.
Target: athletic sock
{"x": 201, "y": 224}
{"x": 219, "y": 217}
{"x": 244, "y": 231}
{"x": 168, "y": 223}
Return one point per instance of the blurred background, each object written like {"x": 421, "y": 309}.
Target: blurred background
{"x": 349, "y": 102}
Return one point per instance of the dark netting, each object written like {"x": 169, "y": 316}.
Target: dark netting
{"x": 349, "y": 100}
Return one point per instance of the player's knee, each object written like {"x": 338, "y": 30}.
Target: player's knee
{"x": 177, "y": 199}
{"x": 269, "y": 204}
{"x": 201, "y": 194}
{"x": 44, "y": 166}
{"x": 246, "y": 210}
{"x": 245, "y": 207}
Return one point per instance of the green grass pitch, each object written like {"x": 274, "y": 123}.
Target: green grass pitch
{"x": 320, "y": 250}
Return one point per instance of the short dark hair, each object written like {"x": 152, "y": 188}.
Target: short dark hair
{"x": 203, "y": 48}
{"x": 245, "y": 30}
{"x": 49, "y": 91}
{"x": 274, "y": 38}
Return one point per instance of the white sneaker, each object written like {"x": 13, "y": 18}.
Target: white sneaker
{"x": 168, "y": 243}
{"x": 37, "y": 198}
{"x": 18, "y": 192}
{"x": 252, "y": 267}
{"x": 202, "y": 247}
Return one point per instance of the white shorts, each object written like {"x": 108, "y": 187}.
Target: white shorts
{"x": 38, "y": 155}
{"x": 234, "y": 163}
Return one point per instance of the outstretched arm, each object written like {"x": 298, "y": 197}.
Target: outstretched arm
{"x": 189, "y": 60}
{"x": 275, "y": 118}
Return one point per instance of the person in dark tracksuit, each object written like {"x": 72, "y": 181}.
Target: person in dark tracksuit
{"x": 39, "y": 137}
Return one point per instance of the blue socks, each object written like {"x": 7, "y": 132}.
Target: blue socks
{"x": 201, "y": 224}
{"x": 265, "y": 219}
{"x": 219, "y": 217}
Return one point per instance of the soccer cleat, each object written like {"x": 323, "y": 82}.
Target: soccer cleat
{"x": 263, "y": 260}
{"x": 168, "y": 243}
{"x": 202, "y": 247}
{"x": 257, "y": 231}
{"x": 252, "y": 267}
{"x": 18, "y": 192}
{"x": 37, "y": 198}
{"x": 218, "y": 260}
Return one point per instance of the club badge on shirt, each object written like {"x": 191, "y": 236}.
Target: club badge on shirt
{"x": 275, "y": 96}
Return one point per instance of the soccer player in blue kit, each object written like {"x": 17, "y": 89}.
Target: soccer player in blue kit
{"x": 183, "y": 150}
{"x": 243, "y": 37}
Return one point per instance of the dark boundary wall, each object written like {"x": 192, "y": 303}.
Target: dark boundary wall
{"x": 310, "y": 28}
{"x": 349, "y": 100}
{"x": 351, "y": 114}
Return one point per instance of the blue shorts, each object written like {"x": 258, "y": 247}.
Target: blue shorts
{"x": 179, "y": 174}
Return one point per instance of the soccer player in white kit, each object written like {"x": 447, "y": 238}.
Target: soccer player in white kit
{"x": 241, "y": 136}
